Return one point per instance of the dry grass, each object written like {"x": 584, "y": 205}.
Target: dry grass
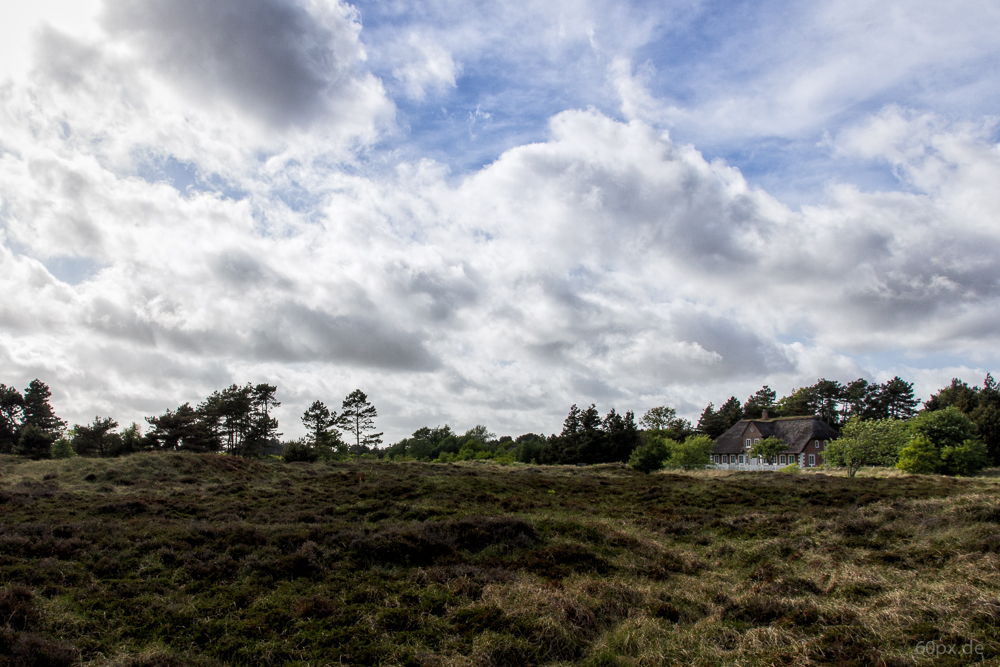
{"x": 169, "y": 560}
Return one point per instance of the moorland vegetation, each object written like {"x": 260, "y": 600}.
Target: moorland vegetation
{"x": 184, "y": 546}
{"x": 167, "y": 559}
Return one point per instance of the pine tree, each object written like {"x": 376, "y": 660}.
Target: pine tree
{"x": 762, "y": 400}
{"x": 896, "y": 397}
{"x": 34, "y": 443}
{"x": 11, "y": 416}
{"x": 321, "y": 426}
{"x": 94, "y": 438}
{"x": 37, "y": 410}
{"x": 358, "y": 417}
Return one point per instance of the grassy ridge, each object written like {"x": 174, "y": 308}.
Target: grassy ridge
{"x": 178, "y": 559}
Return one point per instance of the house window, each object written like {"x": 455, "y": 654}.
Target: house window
{"x": 816, "y": 444}
{"x": 812, "y": 460}
{"x": 748, "y": 443}
{"x": 741, "y": 458}
{"x": 781, "y": 458}
{"x": 756, "y": 441}
{"x": 732, "y": 458}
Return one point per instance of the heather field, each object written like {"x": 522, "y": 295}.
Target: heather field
{"x": 174, "y": 559}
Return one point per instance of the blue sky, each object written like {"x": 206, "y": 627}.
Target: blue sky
{"x": 483, "y": 213}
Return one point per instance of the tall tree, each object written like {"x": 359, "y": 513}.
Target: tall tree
{"x": 731, "y": 411}
{"x": 11, "y": 416}
{"x": 183, "y": 430}
{"x": 95, "y": 437}
{"x": 762, "y": 400}
{"x": 586, "y": 438}
{"x": 896, "y": 399}
{"x": 658, "y": 418}
{"x": 800, "y": 403}
{"x": 37, "y": 409}
{"x": 664, "y": 420}
{"x": 860, "y": 399}
{"x": 711, "y": 423}
{"x": 321, "y": 426}
{"x": 622, "y": 435}
{"x": 986, "y": 416}
{"x": 358, "y": 415}
{"x": 827, "y": 396}
{"x": 959, "y": 394}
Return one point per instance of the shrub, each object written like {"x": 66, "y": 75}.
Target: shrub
{"x": 948, "y": 427}
{"x": 919, "y": 456}
{"x": 62, "y": 449}
{"x": 300, "y": 451}
{"x": 966, "y": 459}
{"x": 695, "y": 452}
{"x": 922, "y": 456}
{"x": 791, "y": 468}
{"x": 17, "y": 607}
{"x": 650, "y": 456}
{"x": 875, "y": 442}
{"x": 34, "y": 443}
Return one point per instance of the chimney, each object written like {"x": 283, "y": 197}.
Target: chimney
{"x": 764, "y": 416}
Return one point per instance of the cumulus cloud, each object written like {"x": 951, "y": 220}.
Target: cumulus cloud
{"x": 607, "y": 262}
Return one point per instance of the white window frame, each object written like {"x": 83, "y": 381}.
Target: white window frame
{"x": 812, "y": 460}
{"x": 816, "y": 444}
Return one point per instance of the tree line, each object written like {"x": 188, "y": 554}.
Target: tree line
{"x": 957, "y": 431}
{"x": 831, "y": 401}
{"x": 237, "y": 420}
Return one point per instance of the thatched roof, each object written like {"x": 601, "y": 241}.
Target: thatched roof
{"x": 796, "y": 431}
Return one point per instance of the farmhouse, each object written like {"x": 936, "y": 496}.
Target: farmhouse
{"x": 807, "y": 438}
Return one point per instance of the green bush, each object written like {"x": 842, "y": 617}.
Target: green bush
{"x": 874, "y": 442}
{"x": 694, "y": 452}
{"x": 922, "y": 456}
{"x": 62, "y": 449}
{"x": 34, "y": 443}
{"x": 791, "y": 468}
{"x": 948, "y": 427}
{"x": 300, "y": 451}
{"x": 966, "y": 459}
{"x": 651, "y": 455}
{"x": 919, "y": 456}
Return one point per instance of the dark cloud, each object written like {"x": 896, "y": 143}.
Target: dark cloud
{"x": 62, "y": 59}
{"x": 443, "y": 294}
{"x": 118, "y": 322}
{"x": 742, "y": 352}
{"x": 297, "y": 333}
{"x": 238, "y": 268}
{"x": 269, "y": 57}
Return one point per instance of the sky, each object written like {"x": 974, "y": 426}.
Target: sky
{"x": 482, "y": 213}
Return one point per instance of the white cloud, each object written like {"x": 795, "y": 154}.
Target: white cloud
{"x": 244, "y": 239}
{"x": 425, "y": 65}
